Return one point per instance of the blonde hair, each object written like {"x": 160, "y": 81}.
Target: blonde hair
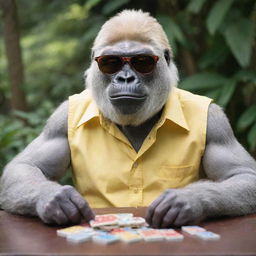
{"x": 132, "y": 25}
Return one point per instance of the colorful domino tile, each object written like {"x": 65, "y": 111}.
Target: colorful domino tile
{"x": 72, "y": 230}
{"x": 116, "y": 231}
{"x": 79, "y": 237}
{"x": 192, "y": 230}
{"x": 130, "y": 237}
{"x": 137, "y": 221}
{"x": 132, "y": 230}
{"x": 172, "y": 235}
{"x": 109, "y": 228}
{"x": 131, "y": 221}
{"x": 124, "y": 215}
{"x": 103, "y": 220}
{"x": 105, "y": 238}
{"x": 151, "y": 235}
{"x": 207, "y": 235}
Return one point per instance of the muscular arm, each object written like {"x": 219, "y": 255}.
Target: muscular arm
{"x": 28, "y": 184}
{"x": 232, "y": 169}
{"x": 44, "y": 159}
{"x": 230, "y": 189}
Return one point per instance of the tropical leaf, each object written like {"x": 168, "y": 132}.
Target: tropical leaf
{"x": 246, "y": 75}
{"x": 165, "y": 21}
{"x": 227, "y": 92}
{"x": 92, "y": 31}
{"x": 217, "y": 14}
{"x": 216, "y": 54}
{"x": 239, "y": 37}
{"x": 176, "y": 31}
{"x": 7, "y": 137}
{"x": 91, "y": 3}
{"x": 213, "y": 94}
{"x": 203, "y": 81}
{"x": 195, "y": 6}
{"x": 173, "y": 31}
{"x": 247, "y": 118}
{"x": 113, "y": 5}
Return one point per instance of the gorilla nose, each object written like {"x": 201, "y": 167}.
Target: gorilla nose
{"x": 126, "y": 77}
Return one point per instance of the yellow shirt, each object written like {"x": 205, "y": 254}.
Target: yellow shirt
{"x": 108, "y": 172}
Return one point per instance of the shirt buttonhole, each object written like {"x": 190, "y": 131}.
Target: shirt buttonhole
{"x": 135, "y": 165}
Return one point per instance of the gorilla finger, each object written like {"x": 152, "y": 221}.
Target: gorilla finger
{"x": 183, "y": 218}
{"x": 82, "y": 205}
{"x": 49, "y": 210}
{"x": 59, "y": 217}
{"x": 160, "y": 211}
{"x": 71, "y": 211}
{"x": 46, "y": 220}
{"x": 170, "y": 218}
{"x": 151, "y": 208}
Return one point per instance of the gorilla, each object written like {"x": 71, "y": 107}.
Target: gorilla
{"x": 133, "y": 139}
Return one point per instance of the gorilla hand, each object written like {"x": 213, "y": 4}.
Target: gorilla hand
{"x": 175, "y": 208}
{"x": 65, "y": 205}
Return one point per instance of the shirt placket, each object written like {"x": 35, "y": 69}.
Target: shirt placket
{"x": 136, "y": 184}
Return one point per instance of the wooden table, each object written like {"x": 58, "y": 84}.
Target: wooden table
{"x": 29, "y": 236}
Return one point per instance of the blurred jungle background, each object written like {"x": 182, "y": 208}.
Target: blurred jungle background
{"x": 45, "y": 48}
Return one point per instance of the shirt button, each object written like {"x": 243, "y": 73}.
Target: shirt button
{"x": 136, "y": 190}
{"x": 135, "y": 165}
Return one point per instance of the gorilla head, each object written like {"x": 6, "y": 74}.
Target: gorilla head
{"x": 132, "y": 72}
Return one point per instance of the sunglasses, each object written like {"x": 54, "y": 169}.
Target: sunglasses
{"x": 110, "y": 64}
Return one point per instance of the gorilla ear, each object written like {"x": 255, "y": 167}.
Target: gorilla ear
{"x": 167, "y": 56}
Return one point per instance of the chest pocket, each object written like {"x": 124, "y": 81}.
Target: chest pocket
{"x": 178, "y": 176}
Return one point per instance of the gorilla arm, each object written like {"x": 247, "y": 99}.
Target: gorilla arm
{"x": 230, "y": 190}
{"x": 27, "y": 185}
{"x": 234, "y": 170}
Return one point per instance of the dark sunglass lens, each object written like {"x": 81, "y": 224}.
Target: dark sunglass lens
{"x": 143, "y": 63}
{"x": 109, "y": 64}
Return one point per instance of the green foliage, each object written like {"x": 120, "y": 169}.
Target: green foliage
{"x": 195, "y": 6}
{"x": 113, "y": 5}
{"x": 172, "y": 30}
{"x": 56, "y": 41}
{"x": 212, "y": 85}
{"x": 239, "y": 36}
{"x": 213, "y": 44}
{"x": 19, "y": 129}
{"x": 247, "y": 118}
{"x": 225, "y": 69}
{"x": 217, "y": 14}
{"x": 247, "y": 121}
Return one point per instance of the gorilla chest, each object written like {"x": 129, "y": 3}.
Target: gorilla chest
{"x": 135, "y": 137}
{"x": 137, "y": 134}
{"x": 107, "y": 168}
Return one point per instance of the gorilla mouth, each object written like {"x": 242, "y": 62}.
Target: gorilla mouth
{"x": 127, "y": 96}
{"x": 127, "y": 103}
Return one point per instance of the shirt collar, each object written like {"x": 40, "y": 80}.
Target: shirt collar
{"x": 172, "y": 111}
{"x": 91, "y": 112}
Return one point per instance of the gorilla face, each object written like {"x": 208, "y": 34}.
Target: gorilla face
{"x": 126, "y": 94}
